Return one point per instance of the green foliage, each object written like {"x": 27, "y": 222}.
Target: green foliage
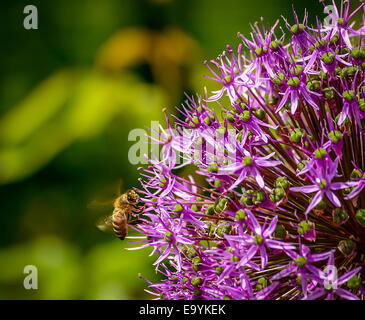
{"x": 107, "y": 271}
{"x": 70, "y": 106}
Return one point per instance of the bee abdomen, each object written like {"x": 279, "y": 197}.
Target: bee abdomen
{"x": 120, "y": 226}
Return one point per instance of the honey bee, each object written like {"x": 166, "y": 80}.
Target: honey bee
{"x": 125, "y": 207}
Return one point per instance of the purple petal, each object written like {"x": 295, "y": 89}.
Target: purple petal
{"x": 316, "y": 294}
{"x": 347, "y": 276}
{"x": 346, "y": 294}
{"x": 271, "y": 227}
{"x": 263, "y": 257}
{"x": 294, "y": 101}
{"x": 316, "y": 199}
{"x": 342, "y": 185}
{"x": 333, "y": 198}
{"x": 356, "y": 190}
{"x": 305, "y": 189}
{"x": 250, "y": 253}
{"x": 275, "y": 244}
{"x": 320, "y": 256}
{"x": 262, "y": 294}
{"x": 283, "y": 100}
{"x": 255, "y": 224}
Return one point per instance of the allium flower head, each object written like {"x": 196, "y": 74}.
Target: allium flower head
{"x": 276, "y": 208}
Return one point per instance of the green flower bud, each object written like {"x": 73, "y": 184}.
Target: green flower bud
{"x": 162, "y": 182}
{"x": 221, "y": 204}
{"x": 356, "y": 174}
{"x": 339, "y": 215}
{"x": 314, "y": 85}
{"x": 197, "y": 260}
{"x": 346, "y": 247}
{"x": 230, "y": 117}
{"x": 240, "y": 215}
{"x": 217, "y": 183}
{"x": 196, "y": 281}
{"x": 360, "y": 217}
{"x": 168, "y": 236}
{"x": 223, "y": 229}
{"x": 304, "y": 227}
{"x": 258, "y": 51}
{"x": 277, "y": 194}
{"x": 245, "y": 116}
{"x": 195, "y": 120}
{"x": 261, "y": 283}
{"x": 296, "y": 135}
{"x": 210, "y": 210}
{"x": 218, "y": 270}
{"x": 247, "y": 161}
{"x": 228, "y": 79}
{"x": 362, "y": 104}
{"x": 329, "y": 93}
{"x": 295, "y": 29}
{"x": 347, "y": 190}
{"x": 246, "y": 201}
{"x": 260, "y": 114}
{"x": 178, "y": 208}
{"x": 355, "y": 53}
{"x": 199, "y": 141}
{"x": 349, "y": 95}
{"x": 258, "y": 239}
{"x": 280, "y": 232}
{"x": 334, "y": 39}
{"x": 320, "y": 206}
{"x": 300, "y": 166}
{"x": 197, "y": 293}
{"x": 323, "y": 184}
{"x": 258, "y": 197}
{"x": 354, "y": 283}
{"x": 301, "y": 261}
{"x": 335, "y": 136}
{"x": 282, "y": 182}
{"x": 194, "y": 208}
{"x": 294, "y": 82}
{"x": 184, "y": 280}
{"x": 207, "y": 121}
{"x": 213, "y": 167}
{"x": 362, "y": 53}
{"x": 328, "y": 58}
{"x": 273, "y": 45}
{"x": 320, "y": 153}
{"x": 196, "y": 267}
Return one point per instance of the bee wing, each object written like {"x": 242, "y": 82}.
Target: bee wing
{"x": 105, "y": 224}
{"x": 107, "y": 196}
{"x": 97, "y": 205}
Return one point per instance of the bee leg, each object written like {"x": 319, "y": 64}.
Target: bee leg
{"x": 134, "y": 222}
{"x": 138, "y": 210}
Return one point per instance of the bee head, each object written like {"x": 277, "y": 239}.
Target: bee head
{"x": 130, "y": 197}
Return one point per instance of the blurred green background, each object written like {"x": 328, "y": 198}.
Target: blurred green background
{"x": 70, "y": 93}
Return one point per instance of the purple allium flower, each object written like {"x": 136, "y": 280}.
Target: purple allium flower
{"x": 275, "y": 207}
